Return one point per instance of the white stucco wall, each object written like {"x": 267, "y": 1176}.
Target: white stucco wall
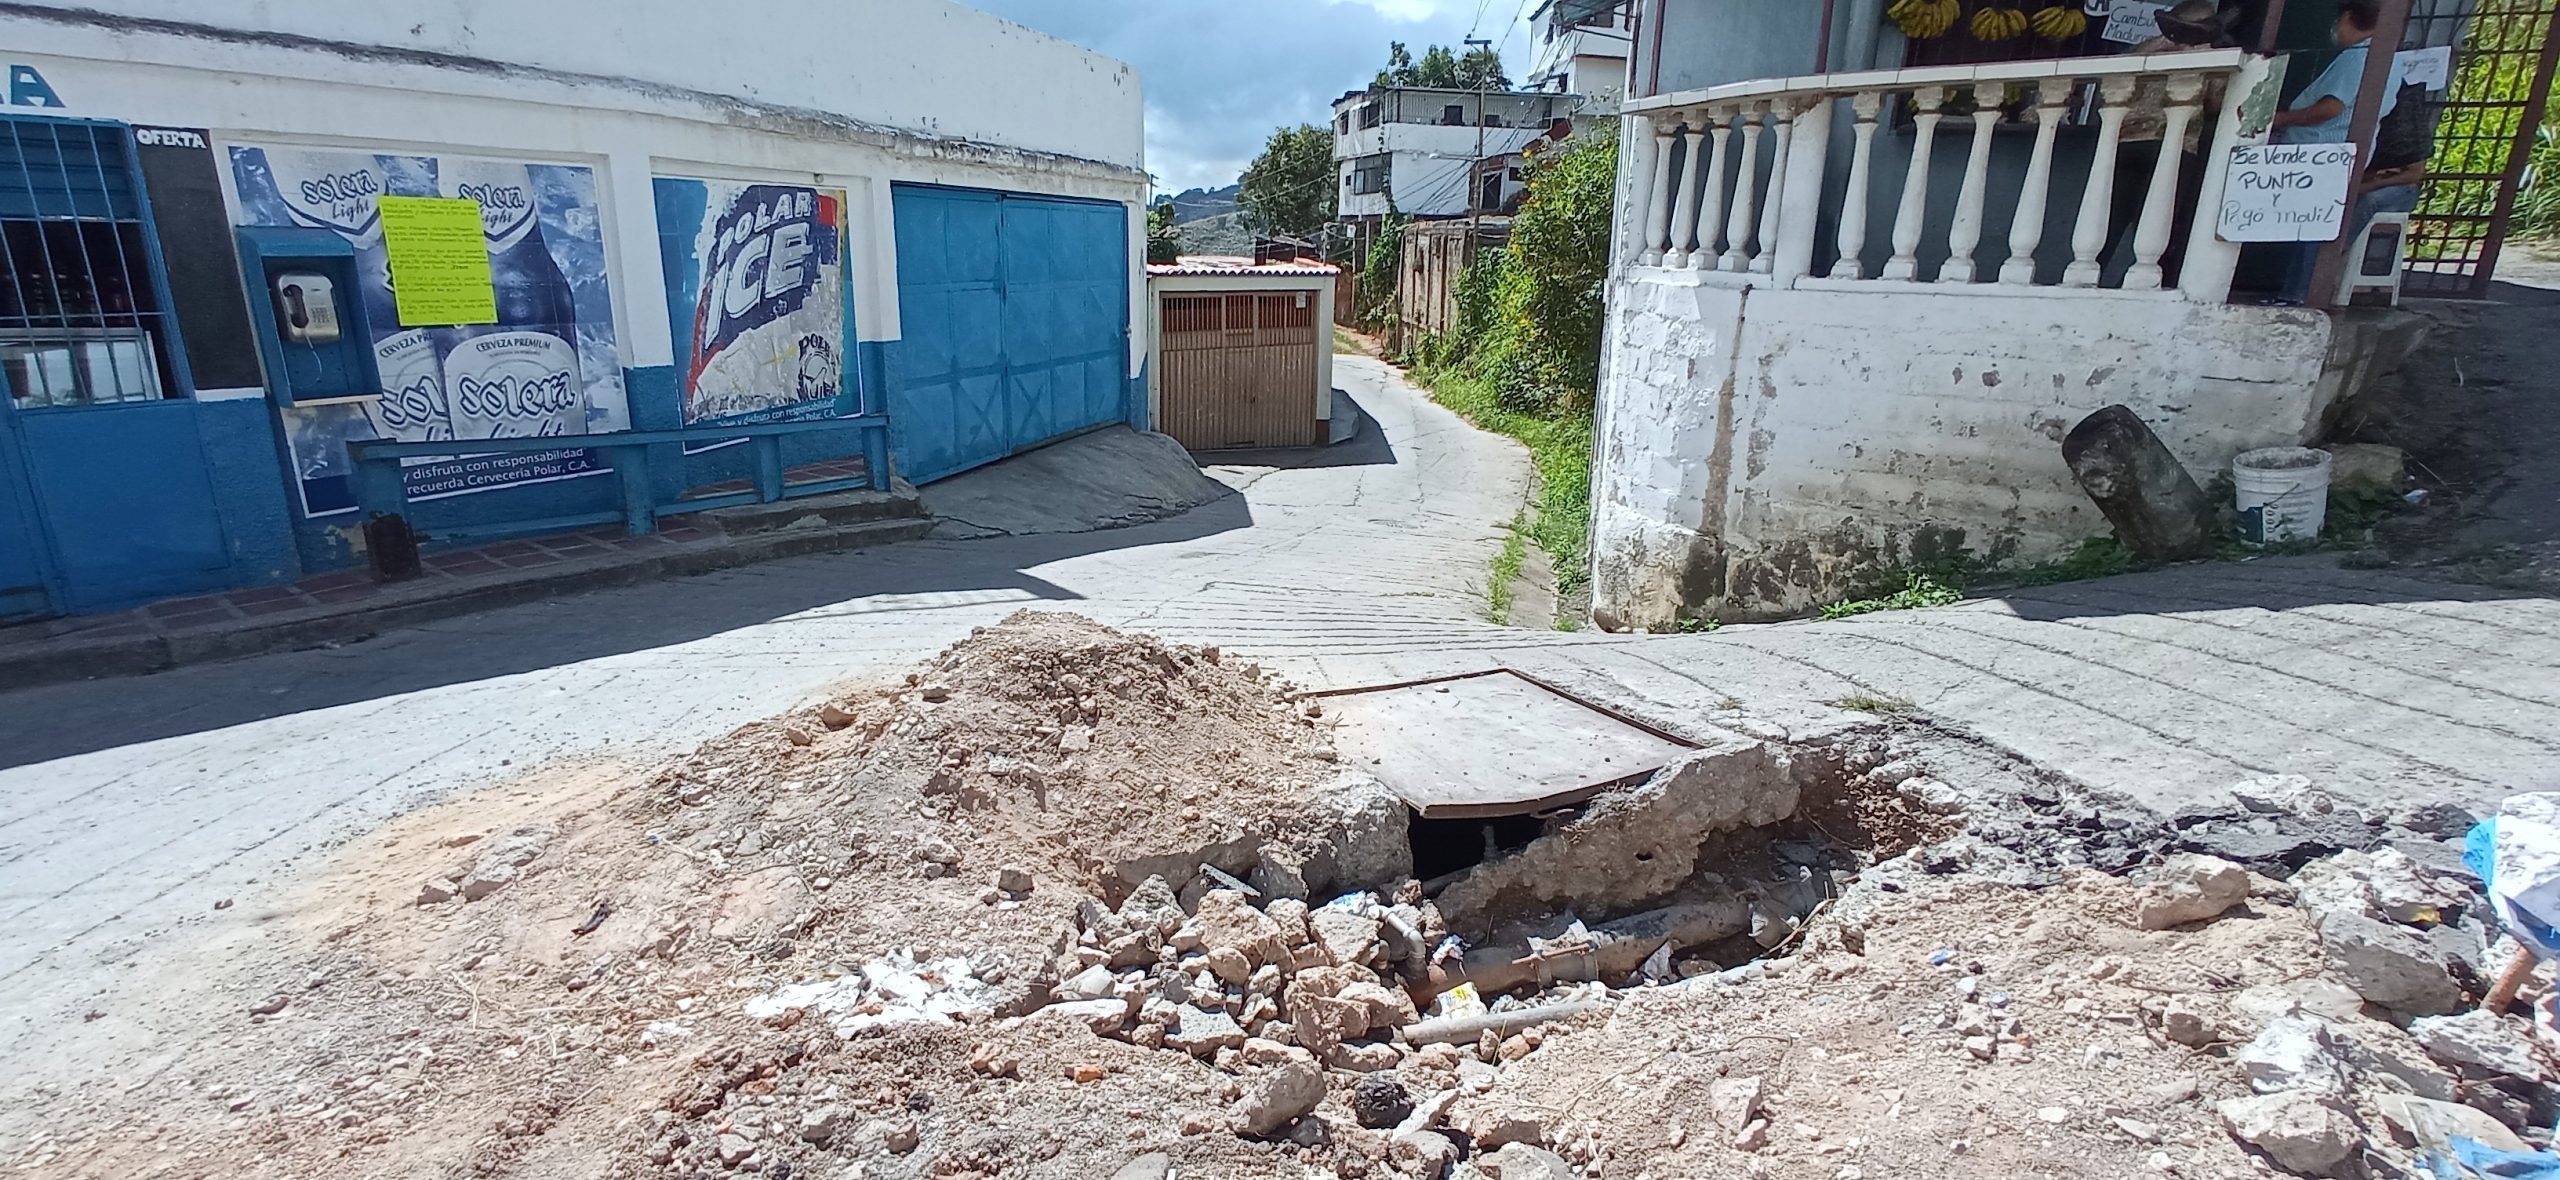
{"x": 1761, "y": 448}
{"x": 923, "y": 65}
{"x": 261, "y": 91}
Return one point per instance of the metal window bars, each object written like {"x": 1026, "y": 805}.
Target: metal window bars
{"x": 2485, "y": 122}
{"x": 81, "y": 321}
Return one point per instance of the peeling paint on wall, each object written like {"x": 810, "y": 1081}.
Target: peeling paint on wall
{"x": 1897, "y": 427}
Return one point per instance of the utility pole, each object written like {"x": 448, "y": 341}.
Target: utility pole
{"x": 1475, "y": 167}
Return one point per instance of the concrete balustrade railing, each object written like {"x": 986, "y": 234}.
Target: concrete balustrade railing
{"x": 1705, "y": 197}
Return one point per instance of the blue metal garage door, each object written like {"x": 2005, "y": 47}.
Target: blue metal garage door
{"x": 1015, "y": 315}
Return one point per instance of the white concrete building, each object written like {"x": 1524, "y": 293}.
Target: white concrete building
{"x": 1412, "y": 150}
{"x": 696, "y": 216}
{"x": 1854, "y": 314}
{"x": 1583, "y": 47}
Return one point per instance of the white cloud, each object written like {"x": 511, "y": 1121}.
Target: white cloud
{"x": 1221, "y": 74}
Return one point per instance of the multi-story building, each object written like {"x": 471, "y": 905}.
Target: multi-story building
{"x": 1583, "y": 47}
{"x": 1414, "y": 150}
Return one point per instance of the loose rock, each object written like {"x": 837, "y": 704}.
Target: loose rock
{"x": 2392, "y": 966}
{"x": 1279, "y": 1097}
{"x": 2191, "y": 888}
{"x": 2480, "y": 1039}
{"x": 2303, "y": 1133}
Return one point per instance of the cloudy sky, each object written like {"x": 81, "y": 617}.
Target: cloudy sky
{"x": 1220, "y": 74}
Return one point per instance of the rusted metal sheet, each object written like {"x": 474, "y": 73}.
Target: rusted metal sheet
{"x": 1492, "y": 743}
{"x": 1240, "y": 369}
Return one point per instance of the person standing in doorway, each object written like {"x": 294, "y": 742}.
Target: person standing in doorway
{"x": 2321, "y": 113}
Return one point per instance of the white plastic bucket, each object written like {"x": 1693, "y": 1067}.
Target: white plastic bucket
{"x": 2282, "y": 494}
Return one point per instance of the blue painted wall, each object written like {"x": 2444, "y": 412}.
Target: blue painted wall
{"x": 248, "y": 479}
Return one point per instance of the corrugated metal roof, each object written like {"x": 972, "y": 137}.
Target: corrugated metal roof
{"x": 1216, "y": 264}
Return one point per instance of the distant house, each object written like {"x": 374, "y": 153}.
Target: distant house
{"x": 1413, "y": 150}
{"x": 248, "y": 242}
{"x": 1583, "y": 48}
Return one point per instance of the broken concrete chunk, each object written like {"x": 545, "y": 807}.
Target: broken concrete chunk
{"x": 1278, "y": 1097}
{"x": 1494, "y": 1127}
{"x": 2293, "y": 1054}
{"x": 1153, "y": 905}
{"x": 2479, "y": 1039}
{"x": 2303, "y": 1133}
{"x": 485, "y": 879}
{"x": 1155, "y": 1165}
{"x": 1348, "y": 937}
{"x": 1324, "y": 1022}
{"x": 1388, "y": 1007}
{"x": 1092, "y": 983}
{"x": 1230, "y": 965}
{"x": 2189, "y": 1021}
{"x": 1226, "y": 919}
{"x": 2283, "y": 794}
{"x": 1105, "y": 1016}
{"x": 2392, "y": 966}
{"x": 1734, "y": 1103}
{"x": 2433, "y": 1126}
{"x": 1929, "y": 794}
{"x": 2384, "y": 1059}
{"x": 2267, "y": 1002}
{"x": 1201, "y": 1032}
{"x": 1520, "y": 1161}
{"x": 436, "y": 891}
{"x": 2191, "y": 888}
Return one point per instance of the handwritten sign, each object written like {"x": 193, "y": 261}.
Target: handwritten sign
{"x": 439, "y": 261}
{"x": 2431, "y": 68}
{"x": 2130, "y": 22}
{"x": 2287, "y": 192}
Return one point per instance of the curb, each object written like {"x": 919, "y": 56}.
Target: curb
{"x": 72, "y": 659}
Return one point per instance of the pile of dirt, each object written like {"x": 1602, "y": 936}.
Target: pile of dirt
{"x": 1069, "y": 901}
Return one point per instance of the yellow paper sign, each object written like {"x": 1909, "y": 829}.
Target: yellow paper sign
{"x": 439, "y": 261}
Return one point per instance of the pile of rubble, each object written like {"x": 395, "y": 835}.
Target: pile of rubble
{"x": 1071, "y": 902}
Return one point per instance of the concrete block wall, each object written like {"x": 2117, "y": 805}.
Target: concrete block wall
{"x": 1763, "y": 450}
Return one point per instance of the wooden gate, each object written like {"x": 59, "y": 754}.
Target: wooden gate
{"x": 2485, "y": 132}
{"x": 1240, "y": 369}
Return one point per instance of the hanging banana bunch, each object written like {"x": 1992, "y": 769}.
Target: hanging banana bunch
{"x": 1995, "y": 23}
{"x": 2062, "y": 22}
{"x": 1923, "y": 19}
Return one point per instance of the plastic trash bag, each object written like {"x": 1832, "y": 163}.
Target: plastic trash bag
{"x": 2478, "y": 1160}
{"x": 2517, "y": 856}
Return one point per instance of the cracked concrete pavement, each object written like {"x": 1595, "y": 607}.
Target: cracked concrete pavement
{"x": 130, "y": 807}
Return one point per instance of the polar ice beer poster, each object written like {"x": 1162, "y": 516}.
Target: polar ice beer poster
{"x": 756, "y": 298}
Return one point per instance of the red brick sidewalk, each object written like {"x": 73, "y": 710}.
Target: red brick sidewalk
{"x": 450, "y": 571}
{"x": 349, "y": 604}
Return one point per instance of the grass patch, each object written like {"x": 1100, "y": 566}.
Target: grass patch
{"x": 1560, "y": 449}
{"x": 1919, "y": 589}
{"x": 2097, "y": 557}
{"x": 1505, "y": 572}
{"x": 1344, "y": 343}
{"x": 1869, "y": 703}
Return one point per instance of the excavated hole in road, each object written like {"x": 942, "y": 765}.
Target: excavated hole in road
{"x": 1721, "y": 857}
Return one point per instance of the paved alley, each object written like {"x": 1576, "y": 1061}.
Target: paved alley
{"x": 129, "y": 807}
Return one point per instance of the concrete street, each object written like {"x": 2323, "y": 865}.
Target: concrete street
{"x": 129, "y": 807}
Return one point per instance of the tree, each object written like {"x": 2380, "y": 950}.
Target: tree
{"x": 1164, "y": 242}
{"x": 1481, "y": 69}
{"x": 1399, "y": 71}
{"x": 1289, "y": 189}
{"x": 1438, "y": 68}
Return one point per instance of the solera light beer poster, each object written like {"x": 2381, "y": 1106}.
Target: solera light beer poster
{"x": 544, "y": 365}
{"x": 756, "y": 298}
